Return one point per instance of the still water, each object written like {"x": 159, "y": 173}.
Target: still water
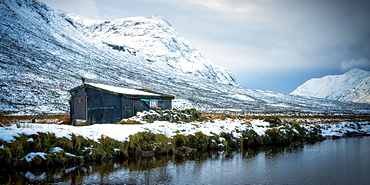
{"x": 342, "y": 161}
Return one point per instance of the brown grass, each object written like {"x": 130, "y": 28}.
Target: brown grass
{"x": 327, "y": 118}
{"x": 65, "y": 120}
{"x": 5, "y": 121}
{"x": 45, "y": 119}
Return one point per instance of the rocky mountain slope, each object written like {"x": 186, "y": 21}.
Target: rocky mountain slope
{"x": 44, "y": 53}
{"x": 157, "y": 41}
{"x": 353, "y": 86}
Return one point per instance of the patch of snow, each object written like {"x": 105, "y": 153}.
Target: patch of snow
{"x": 71, "y": 169}
{"x": 33, "y": 177}
{"x": 30, "y": 156}
{"x": 71, "y": 155}
{"x": 123, "y": 90}
{"x": 56, "y": 150}
{"x": 182, "y": 104}
{"x": 116, "y": 149}
{"x": 242, "y": 97}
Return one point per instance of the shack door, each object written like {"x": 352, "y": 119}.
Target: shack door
{"x": 127, "y": 108}
{"x": 79, "y": 105}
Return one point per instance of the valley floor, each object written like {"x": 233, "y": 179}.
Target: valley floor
{"x": 56, "y": 141}
{"x": 121, "y": 132}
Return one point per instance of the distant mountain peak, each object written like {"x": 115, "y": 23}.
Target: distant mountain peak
{"x": 356, "y": 71}
{"x": 352, "y": 86}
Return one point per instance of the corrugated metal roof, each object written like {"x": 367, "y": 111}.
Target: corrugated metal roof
{"x": 125, "y": 91}
{"x": 122, "y": 90}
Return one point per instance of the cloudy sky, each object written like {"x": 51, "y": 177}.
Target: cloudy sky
{"x": 267, "y": 44}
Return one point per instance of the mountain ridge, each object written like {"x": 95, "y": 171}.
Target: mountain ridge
{"x": 157, "y": 41}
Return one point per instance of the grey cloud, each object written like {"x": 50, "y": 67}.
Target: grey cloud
{"x": 361, "y": 63}
{"x": 264, "y": 37}
{"x": 86, "y": 8}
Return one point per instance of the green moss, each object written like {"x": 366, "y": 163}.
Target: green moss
{"x": 147, "y": 141}
{"x": 230, "y": 142}
{"x": 274, "y": 121}
{"x": 200, "y": 141}
{"x": 274, "y": 136}
{"x": 174, "y": 115}
{"x": 108, "y": 148}
{"x": 181, "y": 141}
{"x": 251, "y": 138}
{"x": 5, "y": 155}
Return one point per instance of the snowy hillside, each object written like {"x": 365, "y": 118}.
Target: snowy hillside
{"x": 360, "y": 93}
{"x": 44, "y": 53}
{"x": 353, "y": 86}
{"x": 155, "y": 39}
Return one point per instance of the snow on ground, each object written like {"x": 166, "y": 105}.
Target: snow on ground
{"x": 122, "y": 132}
{"x": 330, "y": 127}
{"x": 344, "y": 127}
{"x": 29, "y": 157}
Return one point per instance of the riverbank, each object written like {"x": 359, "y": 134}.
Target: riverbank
{"x": 160, "y": 133}
{"x": 339, "y": 161}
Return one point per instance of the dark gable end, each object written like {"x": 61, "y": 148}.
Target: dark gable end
{"x": 98, "y": 103}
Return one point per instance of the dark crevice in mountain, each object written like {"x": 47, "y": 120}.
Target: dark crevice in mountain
{"x": 70, "y": 21}
{"x": 121, "y": 48}
{"x": 115, "y": 47}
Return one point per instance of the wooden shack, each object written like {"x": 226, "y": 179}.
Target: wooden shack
{"x": 93, "y": 103}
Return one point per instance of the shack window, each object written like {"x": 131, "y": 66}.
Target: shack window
{"x": 79, "y": 100}
{"x": 154, "y": 103}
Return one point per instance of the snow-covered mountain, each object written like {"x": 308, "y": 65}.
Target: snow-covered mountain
{"x": 353, "y": 86}
{"x": 45, "y": 52}
{"x": 157, "y": 41}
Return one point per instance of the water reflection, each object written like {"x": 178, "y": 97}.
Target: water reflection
{"x": 141, "y": 170}
{"x": 343, "y": 161}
